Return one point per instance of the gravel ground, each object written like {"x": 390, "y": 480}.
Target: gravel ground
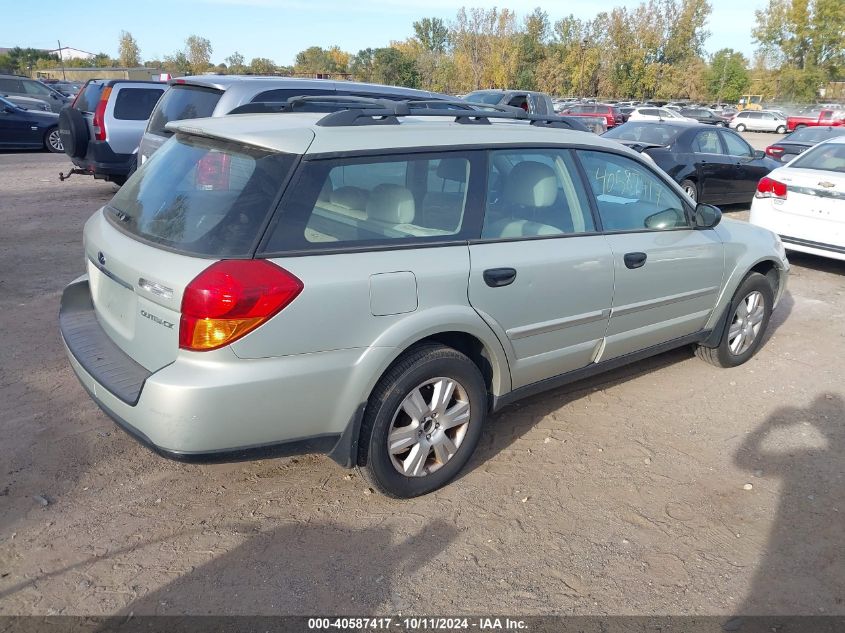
{"x": 668, "y": 487}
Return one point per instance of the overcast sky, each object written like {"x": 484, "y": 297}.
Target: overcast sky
{"x": 278, "y": 29}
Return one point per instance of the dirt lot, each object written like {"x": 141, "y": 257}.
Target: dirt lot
{"x": 669, "y": 487}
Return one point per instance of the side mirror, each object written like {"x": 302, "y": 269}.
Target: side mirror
{"x": 706, "y": 216}
{"x": 8, "y": 110}
{"x": 758, "y": 153}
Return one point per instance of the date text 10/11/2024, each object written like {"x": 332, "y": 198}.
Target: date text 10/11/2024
{"x": 416, "y": 624}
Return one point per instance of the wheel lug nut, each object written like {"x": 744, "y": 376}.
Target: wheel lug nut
{"x": 428, "y": 436}
{"x": 437, "y": 426}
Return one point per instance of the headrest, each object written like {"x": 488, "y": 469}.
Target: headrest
{"x": 326, "y": 191}
{"x": 531, "y": 184}
{"x": 524, "y": 228}
{"x": 453, "y": 169}
{"x": 349, "y": 198}
{"x": 391, "y": 204}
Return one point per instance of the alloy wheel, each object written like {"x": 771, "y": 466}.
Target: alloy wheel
{"x": 55, "y": 141}
{"x": 746, "y": 322}
{"x": 428, "y": 427}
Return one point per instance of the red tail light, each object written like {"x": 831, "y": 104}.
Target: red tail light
{"x": 213, "y": 172}
{"x": 769, "y": 188}
{"x": 231, "y": 298}
{"x": 774, "y": 151}
{"x": 99, "y": 121}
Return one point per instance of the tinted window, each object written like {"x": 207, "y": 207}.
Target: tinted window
{"x": 89, "y": 97}
{"x": 648, "y": 111}
{"x": 533, "y": 193}
{"x": 828, "y": 157}
{"x": 201, "y": 196}
{"x": 490, "y": 98}
{"x": 707, "y": 142}
{"x": 629, "y": 196}
{"x": 736, "y": 146}
{"x": 37, "y": 89}
{"x": 755, "y": 115}
{"x": 373, "y": 201}
{"x": 10, "y": 85}
{"x": 814, "y": 134}
{"x": 645, "y": 132}
{"x": 180, "y": 103}
{"x": 135, "y": 104}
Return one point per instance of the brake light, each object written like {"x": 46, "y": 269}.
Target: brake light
{"x": 769, "y": 188}
{"x": 213, "y": 172}
{"x": 775, "y": 151}
{"x": 99, "y": 121}
{"x": 231, "y": 298}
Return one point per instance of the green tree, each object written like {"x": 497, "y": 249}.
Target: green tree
{"x": 433, "y": 34}
{"x": 129, "y": 52}
{"x": 198, "y": 53}
{"x": 235, "y": 63}
{"x": 262, "y": 66}
{"x": 727, "y": 78}
{"x": 318, "y": 60}
{"x": 391, "y": 67}
{"x": 21, "y": 60}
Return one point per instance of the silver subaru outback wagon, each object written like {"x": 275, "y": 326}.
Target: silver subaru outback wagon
{"x": 372, "y": 284}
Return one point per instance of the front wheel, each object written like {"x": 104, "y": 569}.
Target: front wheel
{"x": 750, "y": 311}
{"x": 423, "y": 422}
{"x": 781, "y": 129}
{"x": 53, "y": 141}
{"x": 691, "y": 189}
{"x": 720, "y": 124}
{"x": 740, "y": 128}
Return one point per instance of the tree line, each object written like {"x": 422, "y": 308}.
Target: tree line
{"x": 654, "y": 50}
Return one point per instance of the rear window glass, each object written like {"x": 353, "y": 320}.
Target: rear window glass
{"x": 644, "y": 132}
{"x": 201, "y": 196}
{"x": 814, "y": 134}
{"x": 89, "y": 97}
{"x": 135, "y": 104}
{"x": 827, "y": 157}
{"x": 374, "y": 201}
{"x": 181, "y": 103}
{"x": 283, "y": 94}
{"x": 490, "y": 98}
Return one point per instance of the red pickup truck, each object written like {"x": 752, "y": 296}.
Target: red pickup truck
{"x": 824, "y": 117}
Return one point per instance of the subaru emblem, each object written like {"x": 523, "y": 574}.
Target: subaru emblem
{"x": 101, "y": 258}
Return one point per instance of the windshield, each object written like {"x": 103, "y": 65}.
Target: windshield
{"x": 484, "y": 96}
{"x": 814, "y": 134}
{"x": 182, "y": 102}
{"x": 201, "y": 196}
{"x": 645, "y": 132}
{"x": 824, "y": 157}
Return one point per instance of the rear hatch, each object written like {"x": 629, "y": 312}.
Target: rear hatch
{"x": 819, "y": 195}
{"x": 201, "y": 200}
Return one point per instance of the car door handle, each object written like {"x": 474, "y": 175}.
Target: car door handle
{"x": 498, "y": 277}
{"x": 635, "y": 260}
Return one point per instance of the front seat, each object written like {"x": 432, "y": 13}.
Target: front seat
{"x": 530, "y": 189}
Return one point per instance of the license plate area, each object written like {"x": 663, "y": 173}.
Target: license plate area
{"x": 115, "y": 302}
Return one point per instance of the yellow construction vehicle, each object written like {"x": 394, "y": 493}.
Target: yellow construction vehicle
{"x": 751, "y": 102}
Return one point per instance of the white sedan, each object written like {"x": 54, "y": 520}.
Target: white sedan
{"x": 804, "y": 201}
{"x": 656, "y": 114}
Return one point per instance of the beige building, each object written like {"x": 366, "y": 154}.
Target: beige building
{"x": 83, "y": 74}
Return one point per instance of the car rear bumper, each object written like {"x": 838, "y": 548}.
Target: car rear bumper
{"x": 815, "y": 236}
{"x": 215, "y": 406}
{"x": 100, "y": 159}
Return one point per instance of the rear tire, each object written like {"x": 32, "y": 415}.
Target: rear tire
{"x": 73, "y": 129}
{"x": 781, "y": 129}
{"x": 740, "y": 128}
{"x": 750, "y": 310}
{"x": 800, "y": 126}
{"x": 690, "y": 188}
{"x": 53, "y": 141}
{"x": 423, "y": 422}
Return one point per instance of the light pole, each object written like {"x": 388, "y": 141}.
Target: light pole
{"x": 581, "y": 73}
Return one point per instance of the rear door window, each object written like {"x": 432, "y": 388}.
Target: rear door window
{"x": 202, "y": 197}
{"x": 735, "y": 145}
{"x": 135, "y": 104}
{"x": 376, "y": 201}
{"x": 10, "y": 86}
{"x": 183, "y": 102}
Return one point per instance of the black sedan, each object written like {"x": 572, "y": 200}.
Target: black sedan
{"x": 28, "y": 129}
{"x": 703, "y": 115}
{"x": 713, "y": 165}
{"x": 801, "y": 140}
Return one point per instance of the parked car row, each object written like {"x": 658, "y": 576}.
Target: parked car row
{"x": 22, "y": 128}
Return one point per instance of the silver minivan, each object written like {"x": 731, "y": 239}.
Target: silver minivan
{"x": 218, "y": 95}
{"x": 372, "y": 283}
